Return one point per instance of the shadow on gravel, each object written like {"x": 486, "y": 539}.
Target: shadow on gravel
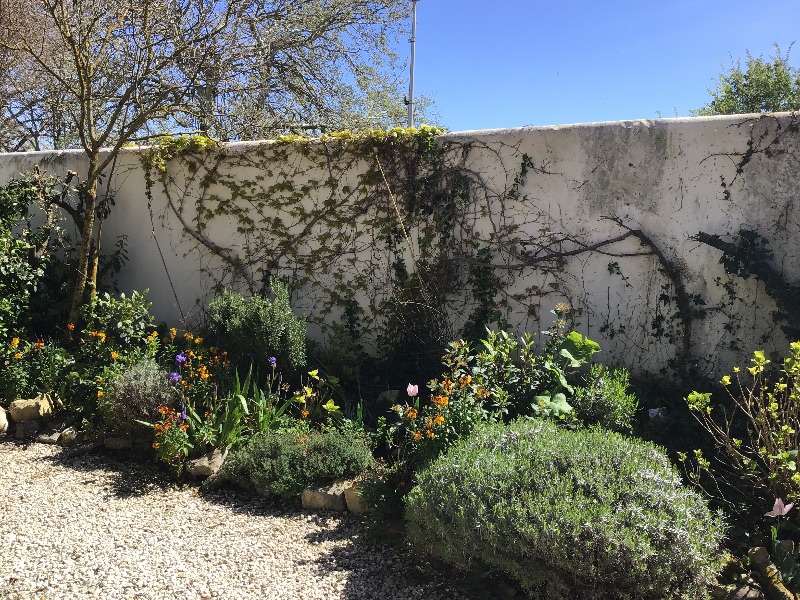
{"x": 372, "y": 570}
{"x": 129, "y": 477}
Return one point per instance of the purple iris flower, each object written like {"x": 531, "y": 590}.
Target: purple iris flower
{"x": 273, "y": 361}
{"x": 174, "y": 378}
{"x": 182, "y": 414}
{"x": 180, "y": 359}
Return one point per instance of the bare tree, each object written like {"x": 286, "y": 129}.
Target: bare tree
{"x": 99, "y": 74}
{"x": 121, "y": 68}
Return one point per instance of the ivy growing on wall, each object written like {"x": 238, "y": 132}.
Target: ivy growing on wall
{"x": 392, "y": 233}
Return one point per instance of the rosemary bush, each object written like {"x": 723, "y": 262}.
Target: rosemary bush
{"x": 569, "y": 514}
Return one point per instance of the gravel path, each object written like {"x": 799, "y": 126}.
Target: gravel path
{"x": 97, "y": 526}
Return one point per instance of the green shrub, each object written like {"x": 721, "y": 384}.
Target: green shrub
{"x": 28, "y": 369}
{"x": 498, "y": 380}
{"x": 258, "y": 328}
{"x": 31, "y": 241}
{"x": 125, "y": 320}
{"x": 287, "y": 461}
{"x": 569, "y": 514}
{"x": 755, "y": 433}
{"x": 604, "y": 399}
{"x": 135, "y": 394}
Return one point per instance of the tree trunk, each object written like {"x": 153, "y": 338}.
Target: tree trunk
{"x": 83, "y": 276}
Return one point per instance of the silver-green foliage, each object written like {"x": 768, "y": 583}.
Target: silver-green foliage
{"x": 569, "y": 514}
{"x": 135, "y": 395}
{"x": 605, "y": 399}
{"x": 286, "y": 461}
{"x": 259, "y": 328}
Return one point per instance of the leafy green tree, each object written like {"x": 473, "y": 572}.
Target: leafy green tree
{"x": 764, "y": 85}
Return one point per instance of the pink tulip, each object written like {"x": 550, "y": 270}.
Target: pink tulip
{"x": 780, "y": 509}
{"x": 412, "y": 390}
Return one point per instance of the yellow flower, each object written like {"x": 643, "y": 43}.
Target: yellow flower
{"x": 429, "y": 434}
{"x": 198, "y": 340}
{"x": 447, "y": 386}
{"x": 15, "y": 342}
{"x": 114, "y": 356}
{"x": 99, "y": 393}
{"x": 173, "y": 332}
{"x": 18, "y": 356}
{"x": 726, "y": 380}
{"x": 411, "y": 413}
{"x": 438, "y": 420}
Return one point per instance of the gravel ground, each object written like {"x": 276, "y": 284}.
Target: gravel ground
{"x": 100, "y": 526}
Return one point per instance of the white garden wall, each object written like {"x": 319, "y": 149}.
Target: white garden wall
{"x": 668, "y": 179}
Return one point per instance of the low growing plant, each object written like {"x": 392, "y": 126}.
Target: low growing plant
{"x": 133, "y": 396}
{"x": 568, "y": 513}
{"x": 605, "y": 399}
{"x": 28, "y": 369}
{"x": 286, "y": 461}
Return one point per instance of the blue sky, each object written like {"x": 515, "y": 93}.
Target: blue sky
{"x": 512, "y": 63}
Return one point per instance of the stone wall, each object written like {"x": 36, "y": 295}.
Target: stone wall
{"x": 655, "y": 295}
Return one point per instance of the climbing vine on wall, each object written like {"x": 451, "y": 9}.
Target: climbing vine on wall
{"x": 393, "y": 232}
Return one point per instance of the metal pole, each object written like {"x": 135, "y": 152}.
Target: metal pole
{"x": 413, "y": 41}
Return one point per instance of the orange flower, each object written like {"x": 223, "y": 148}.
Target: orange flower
{"x": 183, "y": 426}
{"x": 15, "y": 342}
{"x": 71, "y": 326}
{"x": 411, "y": 413}
{"x": 114, "y": 356}
{"x": 155, "y": 444}
{"x": 483, "y": 393}
{"x": 440, "y": 401}
{"x": 429, "y": 434}
{"x": 465, "y": 380}
{"x": 18, "y": 356}
{"x": 438, "y": 420}
{"x": 304, "y": 413}
{"x": 417, "y": 436}
{"x": 39, "y": 344}
{"x": 447, "y": 386}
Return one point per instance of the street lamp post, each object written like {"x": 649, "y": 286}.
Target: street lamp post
{"x": 413, "y": 41}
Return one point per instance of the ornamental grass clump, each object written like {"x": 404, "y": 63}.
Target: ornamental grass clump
{"x": 569, "y": 514}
